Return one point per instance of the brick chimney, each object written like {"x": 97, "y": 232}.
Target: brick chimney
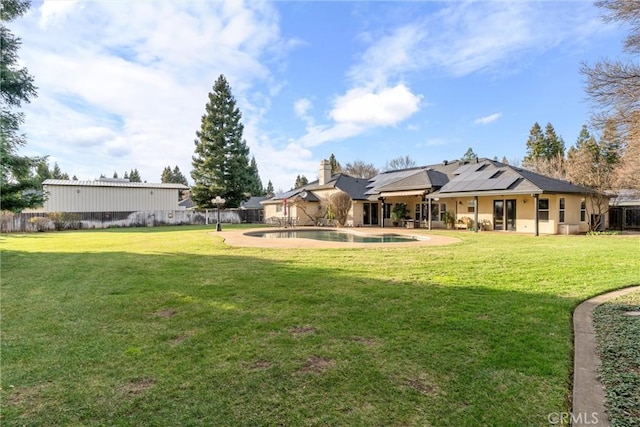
{"x": 325, "y": 172}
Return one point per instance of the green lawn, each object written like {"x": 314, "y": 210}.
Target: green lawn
{"x": 169, "y": 326}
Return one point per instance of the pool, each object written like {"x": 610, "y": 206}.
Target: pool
{"x": 335, "y": 236}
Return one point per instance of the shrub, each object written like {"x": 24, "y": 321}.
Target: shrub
{"x": 341, "y": 205}
{"x": 65, "y": 220}
{"x": 40, "y": 222}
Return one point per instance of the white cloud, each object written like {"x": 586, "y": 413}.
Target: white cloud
{"x": 386, "y": 106}
{"x": 123, "y": 85}
{"x": 487, "y": 119}
{"x": 53, "y": 12}
{"x": 301, "y": 107}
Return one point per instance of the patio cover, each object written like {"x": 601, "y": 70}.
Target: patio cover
{"x": 402, "y": 193}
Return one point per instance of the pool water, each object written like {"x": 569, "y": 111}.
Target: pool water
{"x": 334, "y": 236}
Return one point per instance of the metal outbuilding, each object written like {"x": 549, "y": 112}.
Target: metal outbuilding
{"x": 109, "y": 195}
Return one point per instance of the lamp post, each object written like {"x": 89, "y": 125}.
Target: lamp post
{"x": 218, "y": 201}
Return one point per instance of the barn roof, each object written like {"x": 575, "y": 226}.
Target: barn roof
{"x": 112, "y": 183}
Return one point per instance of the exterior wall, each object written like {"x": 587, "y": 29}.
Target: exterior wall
{"x": 525, "y": 213}
{"x": 71, "y": 198}
{"x": 276, "y": 210}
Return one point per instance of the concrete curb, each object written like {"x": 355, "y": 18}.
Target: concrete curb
{"x": 588, "y": 392}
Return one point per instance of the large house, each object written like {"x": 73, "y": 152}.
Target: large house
{"x": 479, "y": 194}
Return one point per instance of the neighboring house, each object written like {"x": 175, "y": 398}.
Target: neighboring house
{"x": 307, "y": 205}
{"x": 495, "y": 195}
{"x": 252, "y": 209}
{"x": 624, "y": 210}
{"x": 109, "y": 195}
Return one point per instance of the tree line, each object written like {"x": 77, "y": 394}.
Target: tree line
{"x": 223, "y": 167}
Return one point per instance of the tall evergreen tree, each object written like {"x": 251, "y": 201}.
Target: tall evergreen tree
{"x": 178, "y": 177}
{"x": 42, "y": 171}
{"x": 553, "y": 144}
{"x": 254, "y": 185}
{"x": 126, "y": 175}
{"x": 269, "y": 191}
{"x": 167, "y": 175}
{"x": 335, "y": 165}
{"x": 173, "y": 176}
{"x": 115, "y": 174}
{"x": 56, "y": 172}
{"x": 134, "y": 176}
{"x": 545, "y": 152}
{"x": 221, "y": 160}
{"x": 18, "y": 186}
{"x": 535, "y": 143}
{"x": 301, "y": 181}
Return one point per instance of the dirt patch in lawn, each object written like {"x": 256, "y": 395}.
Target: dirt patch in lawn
{"x": 316, "y": 365}
{"x": 137, "y": 387}
{"x": 165, "y": 314}
{"x": 423, "y": 385}
{"x": 303, "y": 330}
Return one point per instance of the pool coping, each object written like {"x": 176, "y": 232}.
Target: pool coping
{"x": 241, "y": 239}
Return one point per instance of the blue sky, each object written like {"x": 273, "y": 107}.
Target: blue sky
{"x": 123, "y": 84}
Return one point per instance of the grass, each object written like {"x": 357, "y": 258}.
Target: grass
{"x": 171, "y": 326}
{"x": 619, "y": 345}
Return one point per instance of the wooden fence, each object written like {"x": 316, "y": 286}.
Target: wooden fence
{"x": 41, "y": 221}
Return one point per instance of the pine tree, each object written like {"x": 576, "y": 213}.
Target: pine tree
{"x": 269, "y": 191}
{"x": 115, "y": 175}
{"x": 74, "y": 178}
{"x": 221, "y": 160}
{"x": 535, "y": 143}
{"x": 65, "y": 176}
{"x": 545, "y": 152}
{"x": 56, "y": 173}
{"x": 255, "y": 183}
{"x": 134, "y": 176}
{"x": 553, "y": 144}
{"x": 167, "y": 175}
{"x": 469, "y": 155}
{"x": 301, "y": 181}
{"x": 335, "y": 165}
{"x": 42, "y": 171}
{"x": 126, "y": 175}
{"x": 178, "y": 177}
{"x": 174, "y": 176}
{"x": 18, "y": 186}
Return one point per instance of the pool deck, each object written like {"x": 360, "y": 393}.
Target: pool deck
{"x": 239, "y": 238}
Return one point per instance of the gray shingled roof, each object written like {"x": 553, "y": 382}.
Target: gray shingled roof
{"x": 355, "y": 187}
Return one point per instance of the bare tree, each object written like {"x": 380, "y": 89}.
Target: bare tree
{"x": 340, "y": 203}
{"x": 402, "y": 162}
{"x": 554, "y": 167}
{"x": 360, "y": 169}
{"x": 614, "y": 87}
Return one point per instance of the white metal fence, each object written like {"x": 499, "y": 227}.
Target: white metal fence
{"x": 40, "y": 221}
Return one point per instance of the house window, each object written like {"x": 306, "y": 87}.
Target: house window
{"x": 561, "y": 210}
{"x": 387, "y": 210}
{"x": 471, "y": 206}
{"x": 278, "y": 208}
{"x": 418, "y": 209}
{"x": 543, "y": 210}
{"x": 583, "y": 210}
{"x": 443, "y": 211}
{"x": 435, "y": 212}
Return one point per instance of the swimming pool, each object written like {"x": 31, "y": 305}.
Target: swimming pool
{"x": 335, "y": 236}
